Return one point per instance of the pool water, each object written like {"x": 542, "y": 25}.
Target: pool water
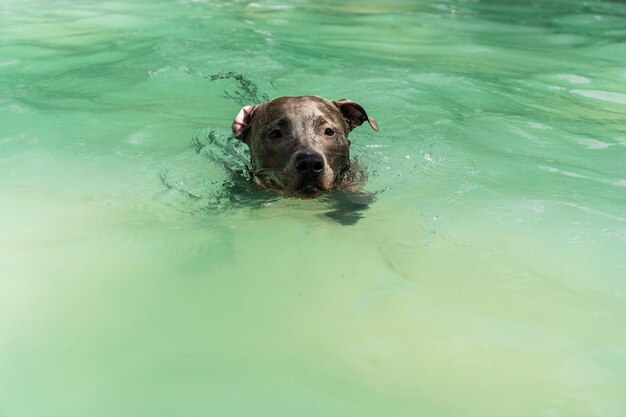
{"x": 142, "y": 275}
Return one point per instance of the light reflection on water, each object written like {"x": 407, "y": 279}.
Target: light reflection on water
{"x": 141, "y": 273}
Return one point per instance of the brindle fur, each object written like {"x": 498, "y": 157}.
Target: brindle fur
{"x": 283, "y": 132}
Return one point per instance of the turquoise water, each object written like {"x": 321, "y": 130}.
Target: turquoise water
{"x": 140, "y": 276}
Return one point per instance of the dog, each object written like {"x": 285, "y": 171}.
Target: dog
{"x": 299, "y": 145}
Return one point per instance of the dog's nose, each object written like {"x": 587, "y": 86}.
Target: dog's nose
{"x": 309, "y": 164}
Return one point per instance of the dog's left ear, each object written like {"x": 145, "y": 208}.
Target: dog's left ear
{"x": 354, "y": 114}
{"x": 242, "y": 122}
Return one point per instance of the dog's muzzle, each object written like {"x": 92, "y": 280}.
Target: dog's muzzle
{"x": 309, "y": 167}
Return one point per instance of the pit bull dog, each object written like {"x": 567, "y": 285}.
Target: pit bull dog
{"x": 299, "y": 145}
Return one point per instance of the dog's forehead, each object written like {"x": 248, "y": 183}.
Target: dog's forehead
{"x": 311, "y": 108}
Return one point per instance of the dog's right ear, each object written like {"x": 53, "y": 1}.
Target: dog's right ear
{"x": 243, "y": 121}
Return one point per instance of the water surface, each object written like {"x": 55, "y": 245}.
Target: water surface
{"x": 140, "y": 276}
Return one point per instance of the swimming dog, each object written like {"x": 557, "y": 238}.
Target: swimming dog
{"x": 299, "y": 145}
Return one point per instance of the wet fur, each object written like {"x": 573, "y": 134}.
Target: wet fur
{"x": 282, "y": 131}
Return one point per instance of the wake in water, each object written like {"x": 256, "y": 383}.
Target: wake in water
{"x": 233, "y": 190}
{"x": 236, "y": 191}
{"x": 246, "y": 91}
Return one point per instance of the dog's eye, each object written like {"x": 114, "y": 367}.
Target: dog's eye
{"x": 329, "y": 132}
{"x": 275, "y": 134}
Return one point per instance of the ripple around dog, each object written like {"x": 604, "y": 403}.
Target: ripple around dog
{"x": 216, "y": 178}
{"x": 220, "y": 179}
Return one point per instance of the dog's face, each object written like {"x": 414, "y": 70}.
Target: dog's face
{"x": 299, "y": 145}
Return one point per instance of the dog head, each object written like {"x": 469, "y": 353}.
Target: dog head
{"x": 299, "y": 145}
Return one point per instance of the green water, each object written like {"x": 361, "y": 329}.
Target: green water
{"x": 488, "y": 278}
